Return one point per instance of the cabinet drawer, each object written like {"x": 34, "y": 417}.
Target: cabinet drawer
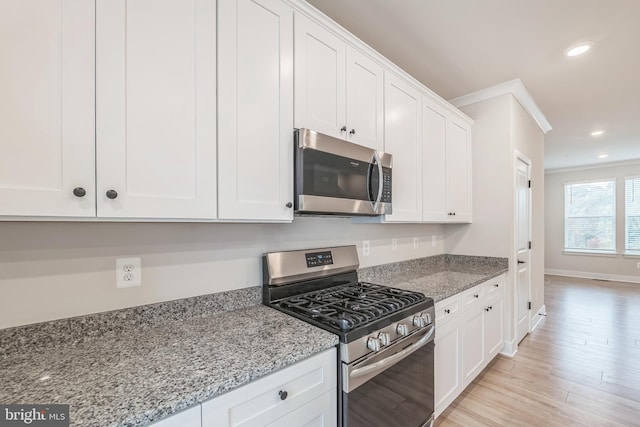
{"x": 494, "y": 286}
{"x": 471, "y": 297}
{"x": 263, "y": 401}
{"x": 447, "y": 309}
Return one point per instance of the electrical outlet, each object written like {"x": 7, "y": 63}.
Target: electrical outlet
{"x": 638, "y": 265}
{"x": 416, "y": 243}
{"x": 433, "y": 241}
{"x": 394, "y": 245}
{"x": 366, "y": 248}
{"x": 128, "y": 272}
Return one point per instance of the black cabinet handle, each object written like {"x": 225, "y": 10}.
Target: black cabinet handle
{"x": 343, "y": 129}
{"x": 352, "y": 131}
{"x": 289, "y": 205}
{"x": 283, "y": 395}
{"x": 476, "y": 295}
{"x": 112, "y": 194}
{"x": 79, "y": 192}
{"x": 496, "y": 285}
{"x": 447, "y": 311}
{"x": 486, "y": 309}
{"x": 521, "y": 262}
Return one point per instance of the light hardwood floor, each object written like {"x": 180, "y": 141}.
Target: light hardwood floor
{"x": 580, "y": 366}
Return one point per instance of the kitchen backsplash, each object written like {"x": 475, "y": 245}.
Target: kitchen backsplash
{"x": 55, "y": 270}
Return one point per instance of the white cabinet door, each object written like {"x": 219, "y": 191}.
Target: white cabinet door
{"x": 434, "y": 186}
{"x": 307, "y": 384}
{"x": 320, "y": 79}
{"x": 47, "y": 107}
{"x": 255, "y": 130}
{"x": 459, "y": 171}
{"x": 473, "y": 330}
{"x": 156, "y": 108}
{"x": 402, "y": 139}
{"x": 365, "y": 95}
{"x": 320, "y": 412}
{"x": 191, "y": 417}
{"x": 448, "y": 363}
{"x": 494, "y": 341}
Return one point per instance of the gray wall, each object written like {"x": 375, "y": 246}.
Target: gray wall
{"x": 56, "y": 270}
{"x": 616, "y": 267}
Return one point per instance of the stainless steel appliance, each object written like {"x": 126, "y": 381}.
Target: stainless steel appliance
{"x": 335, "y": 177}
{"x": 386, "y": 334}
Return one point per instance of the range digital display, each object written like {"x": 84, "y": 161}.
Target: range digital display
{"x": 317, "y": 259}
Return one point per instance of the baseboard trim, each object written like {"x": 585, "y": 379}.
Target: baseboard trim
{"x": 510, "y": 348}
{"x": 589, "y": 275}
{"x": 538, "y": 317}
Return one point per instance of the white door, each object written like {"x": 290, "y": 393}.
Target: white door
{"x": 156, "y": 108}
{"x": 320, "y": 79}
{"x": 47, "y": 107}
{"x": 434, "y": 187}
{"x": 255, "y": 131}
{"x": 473, "y": 352}
{"x": 448, "y": 363}
{"x": 365, "y": 95}
{"x": 458, "y": 172}
{"x": 494, "y": 341}
{"x": 523, "y": 227}
{"x": 402, "y": 112}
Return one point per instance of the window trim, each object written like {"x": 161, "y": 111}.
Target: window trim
{"x": 628, "y": 253}
{"x": 593, "y": 252}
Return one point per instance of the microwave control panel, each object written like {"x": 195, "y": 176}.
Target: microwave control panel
{"x": 386, "y": 186}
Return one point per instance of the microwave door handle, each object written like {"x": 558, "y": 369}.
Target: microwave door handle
{"x": 378, "y": 163}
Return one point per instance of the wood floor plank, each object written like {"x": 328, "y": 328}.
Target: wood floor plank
{"x": 581, "y": 366}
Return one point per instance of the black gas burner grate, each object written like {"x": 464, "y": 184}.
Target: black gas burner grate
{"x": 350, "y": 306}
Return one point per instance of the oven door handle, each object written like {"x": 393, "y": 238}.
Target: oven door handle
{"x": 394, "y": 358}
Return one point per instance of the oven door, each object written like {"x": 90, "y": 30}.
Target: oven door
{"x": 338, "y": 177}
{"x": 394, "y": 388}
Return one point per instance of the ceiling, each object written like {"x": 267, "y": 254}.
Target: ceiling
{"x": 456, "y": 47}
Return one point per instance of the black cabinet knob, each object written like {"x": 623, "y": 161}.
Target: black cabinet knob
{"x": 476, "y": 295}
{"x": 454, "y": 214}
{"x": 343, "y": 129}
{"x": 112, "y": 194}
{"x": 79, "y": 192}
{"x": 447, "y": 311}
{"x": 289, "y": 205}
{"x": 486, "y": 309}
{"x": 352, "y": 131}
{"x": 283, "y": 395}
{"x": 496, "y": 285}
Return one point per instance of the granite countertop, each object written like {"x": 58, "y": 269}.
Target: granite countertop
{"x": 438, "y": 277}
{"x": 138, "y": 375}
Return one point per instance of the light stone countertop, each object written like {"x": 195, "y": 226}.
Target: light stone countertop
{"x": 138, "y": 376}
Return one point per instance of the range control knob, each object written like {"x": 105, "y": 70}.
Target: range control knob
{"x": 384, "y": 338}
{"x": 373, "y": 344}
{"x": 402, "y": 329}
{"x": 418, "y": 322}
{"x": 426, "y": 317}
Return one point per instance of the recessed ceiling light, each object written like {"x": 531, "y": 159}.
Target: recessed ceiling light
{"x": 597, "y": 132}
{"x": 603, "y": 156}
{"x": 578, "y": 49}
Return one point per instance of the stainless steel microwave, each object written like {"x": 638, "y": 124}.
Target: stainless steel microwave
{"x": 336, "y": 177}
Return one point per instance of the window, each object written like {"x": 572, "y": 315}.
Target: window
{"x": 590, "y": 216}
{"x": 632, "y": 215}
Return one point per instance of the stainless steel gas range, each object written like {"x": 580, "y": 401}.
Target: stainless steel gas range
{"x": 386, "y": 334}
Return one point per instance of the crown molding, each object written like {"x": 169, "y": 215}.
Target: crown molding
{"x": 632, "y": 162}
{"x": 513, "y": 87}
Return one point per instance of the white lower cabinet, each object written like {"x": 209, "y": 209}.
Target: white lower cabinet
{"x": 304, "y": 394}
{"x": 192, "y": 417}
{"x": 448, "y": 362}
{"x": 469, "y": 334}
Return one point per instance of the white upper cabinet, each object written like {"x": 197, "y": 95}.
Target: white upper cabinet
{"x": 447, "y": 165}
{"x": 339, "y": 90}
{"x": 255, "y": 90}
{"x": 47, "y": 108}
{"x": 156, "y": 108}
{"x": 365, "y": 100}
{"x": 320, "y": 83}
{"x": 434, "y": 133}
{"x": 459, "y": 187}
{"x": 402, "y": 111}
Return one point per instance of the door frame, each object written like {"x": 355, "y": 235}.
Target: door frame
{"x": 522, "y": 157}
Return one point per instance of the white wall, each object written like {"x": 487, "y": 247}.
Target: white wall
{"x": 502, "y": 126}
{"x": 597, "y": 267}
{"x": 55, "y": 270}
